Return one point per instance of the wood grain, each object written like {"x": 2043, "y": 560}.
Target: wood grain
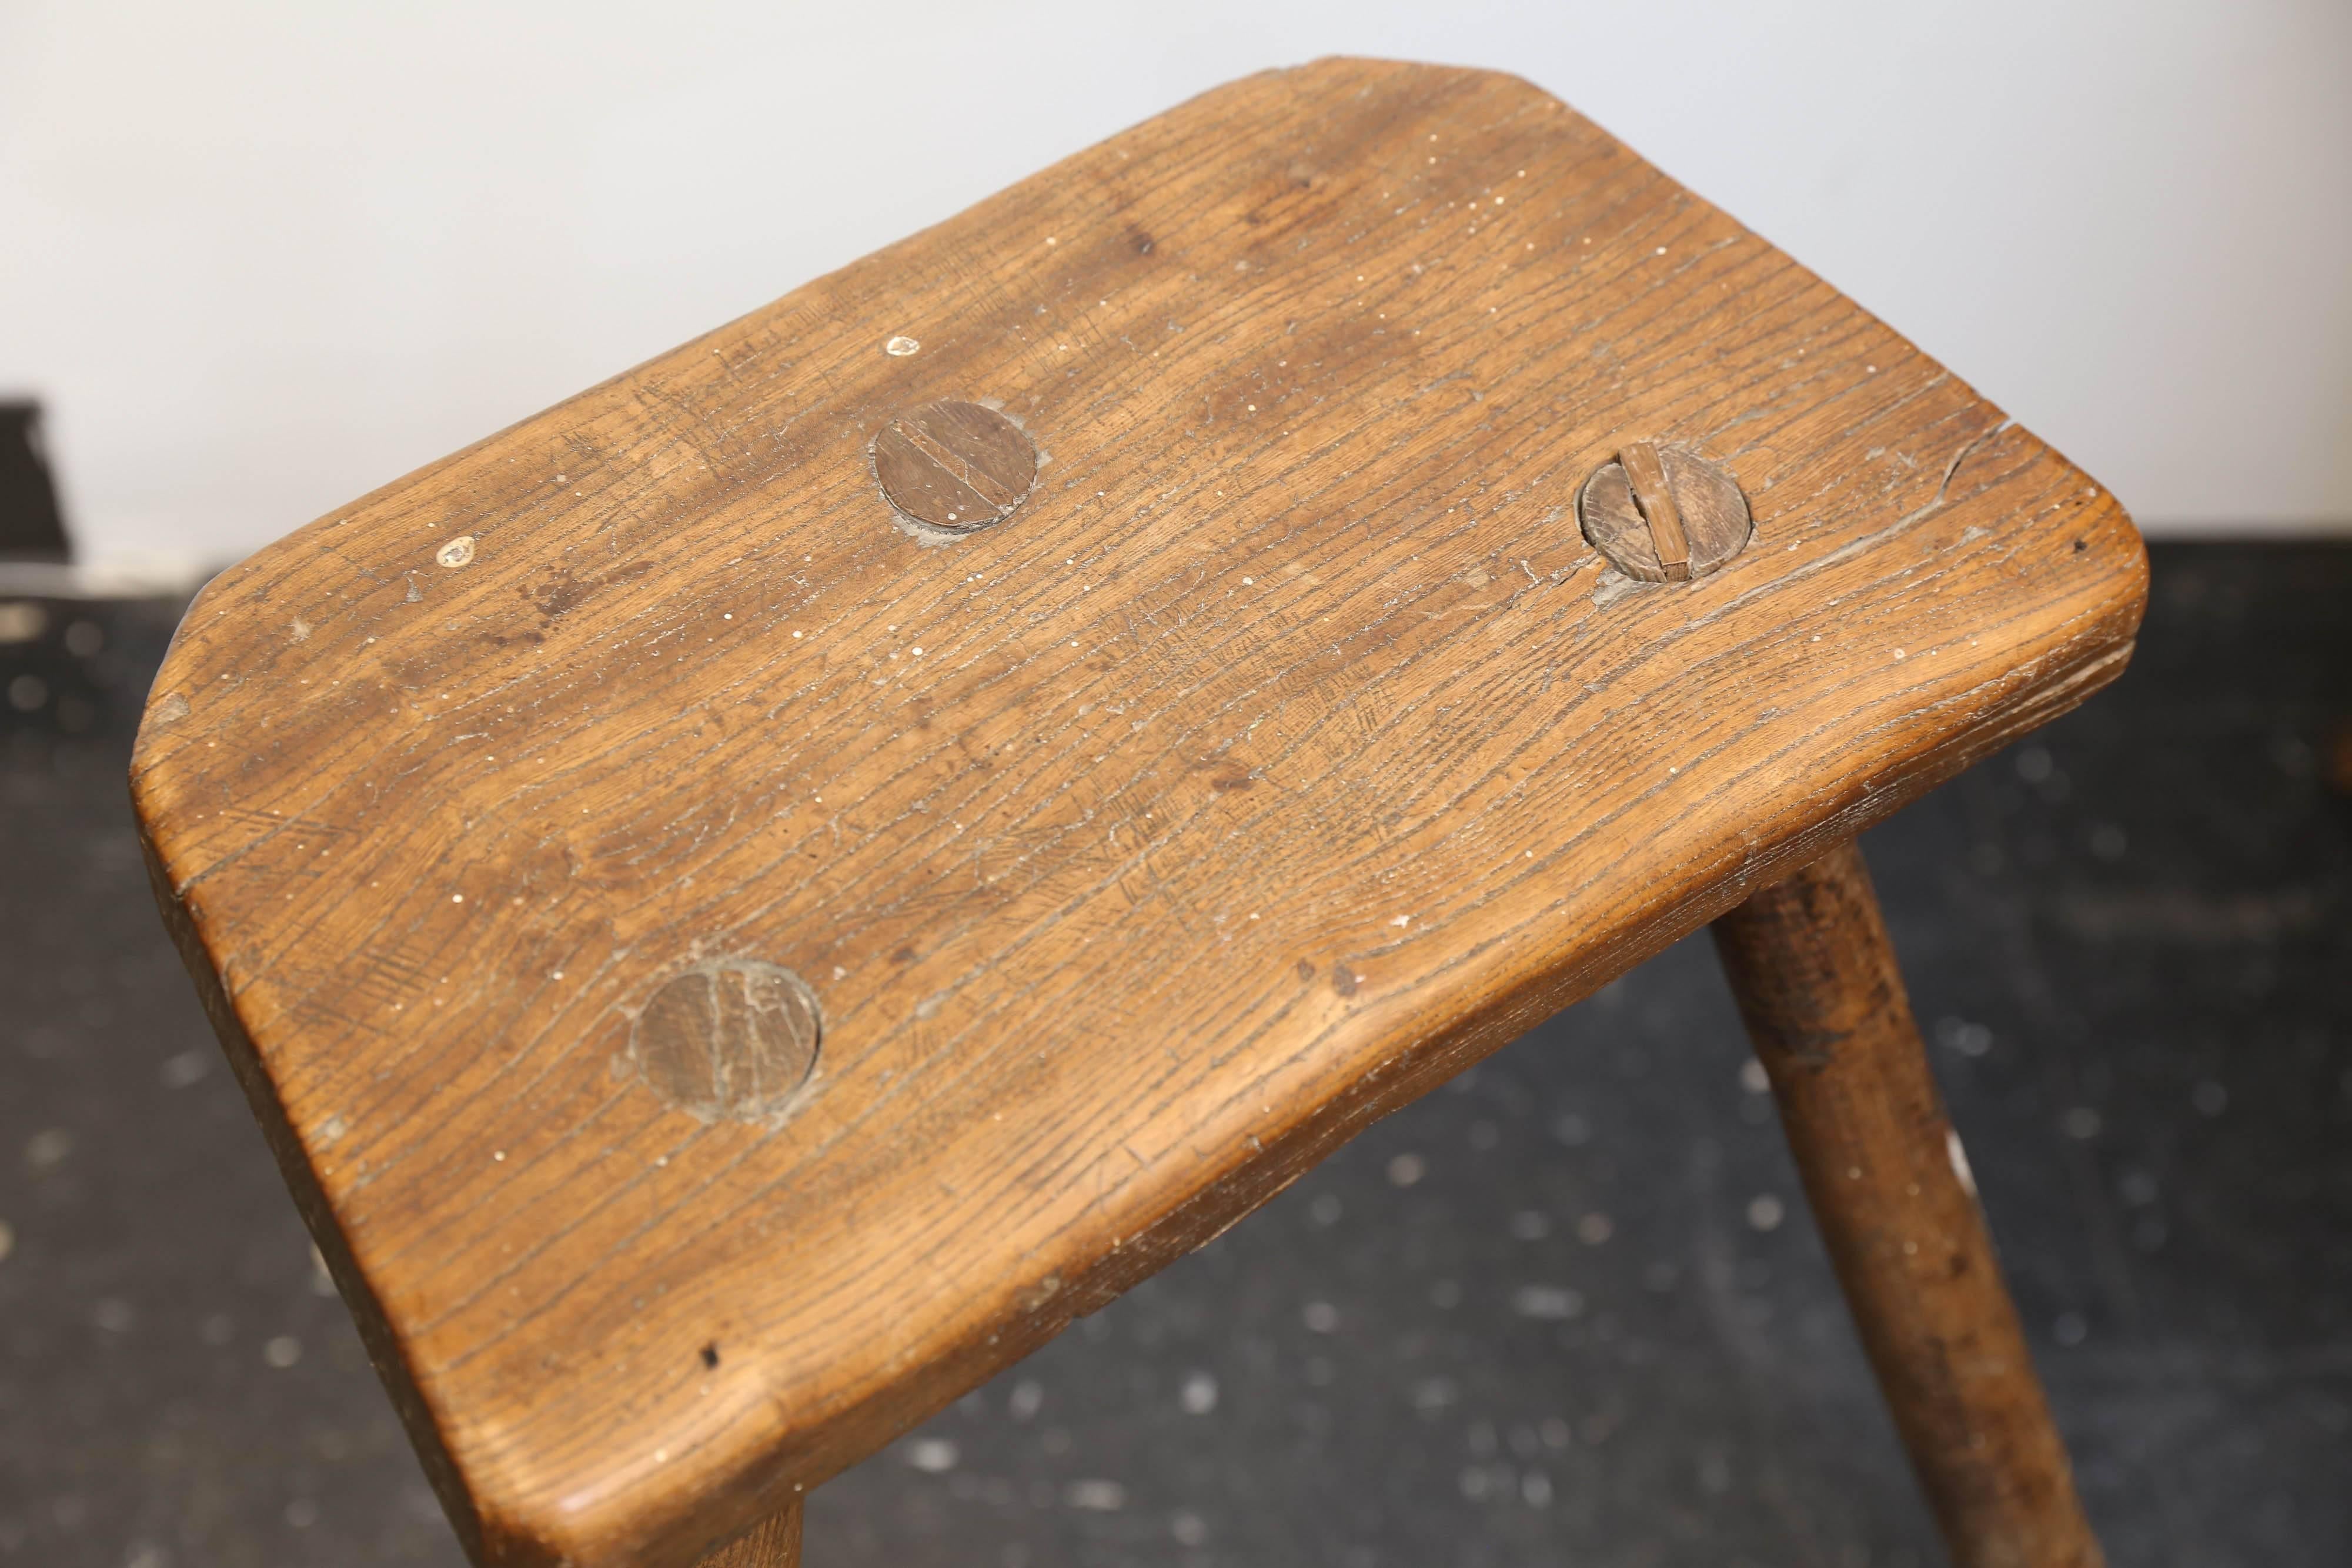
{"x": 1285, "y": 751}
{"x": 1817, "y": 983}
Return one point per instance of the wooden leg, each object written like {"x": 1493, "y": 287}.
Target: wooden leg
{"x": 774, "y": 1544}
{"x": 1810, "y": 962}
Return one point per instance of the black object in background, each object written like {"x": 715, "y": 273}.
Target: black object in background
{"x": 32, "y": 528}
{"x": 70, "y": 664}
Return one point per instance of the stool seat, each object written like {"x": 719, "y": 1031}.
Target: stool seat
{"x": 729, "y": 955}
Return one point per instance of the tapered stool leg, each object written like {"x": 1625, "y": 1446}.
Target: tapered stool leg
{"x": 1816, "y": 980}
{"x": 774, "y": 1544}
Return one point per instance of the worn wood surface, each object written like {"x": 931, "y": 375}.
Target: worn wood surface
{"x": 1817, "y": 984}
{"x": 1286, "y": 749}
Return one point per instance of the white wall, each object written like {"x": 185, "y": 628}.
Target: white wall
{"x": 260, "y": 258}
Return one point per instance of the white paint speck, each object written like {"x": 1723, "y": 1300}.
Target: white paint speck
{"x": 1547, "y": 1303}
{"x": 933, "y": 1456}
{"x": 458, "y": 552}
{"x": 457, "y": 898}
{"x": 1960, "y": 1158}
{"x": 901, "y": 347}
{"x": 1096, "y": 1496}
{"x": 1198, "y": 1395}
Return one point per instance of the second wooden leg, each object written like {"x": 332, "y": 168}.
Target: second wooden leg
{"x": 774, "y": 1544}
{"x": 1815, "y": 977}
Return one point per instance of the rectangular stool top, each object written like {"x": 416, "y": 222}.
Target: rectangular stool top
{"x": 727, "y": 961}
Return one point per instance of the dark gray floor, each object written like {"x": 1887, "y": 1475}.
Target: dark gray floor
{"x": 1569, "y": 1311}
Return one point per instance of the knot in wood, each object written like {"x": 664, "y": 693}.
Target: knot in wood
{"x": 954, "y": 465}
{"x": 733, "y": 1039}
{"x": 1664, "y": 514}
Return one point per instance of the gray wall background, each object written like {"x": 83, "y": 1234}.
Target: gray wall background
{"x": 260, "y": 258}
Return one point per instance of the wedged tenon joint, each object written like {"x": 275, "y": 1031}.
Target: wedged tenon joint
{"x": 1286, "y": 749}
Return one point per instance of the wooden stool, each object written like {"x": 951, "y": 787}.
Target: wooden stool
{"x": 747, "y": 901}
